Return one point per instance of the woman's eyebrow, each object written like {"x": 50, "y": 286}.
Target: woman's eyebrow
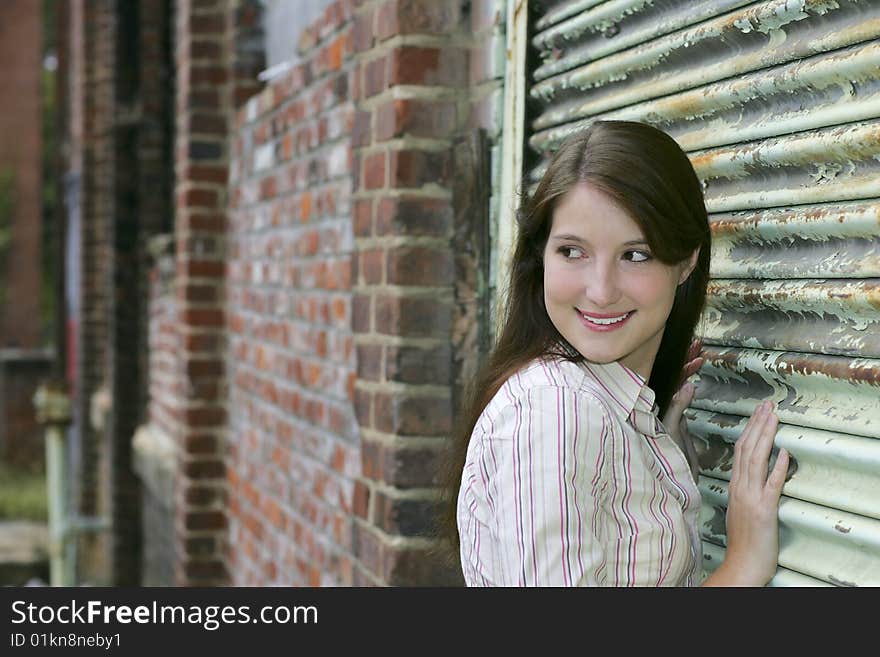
{"x": 574, "y": 238}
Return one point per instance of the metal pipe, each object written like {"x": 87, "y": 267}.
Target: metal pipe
{"x": 53, "y": 410}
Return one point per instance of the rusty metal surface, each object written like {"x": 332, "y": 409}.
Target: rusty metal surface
{"x": 616, "y": 25}
{"x": 832, "y": 164}
{"x": 832, "y": 469}
{"x": 838, "y": 163}
{"x": 736, "y": 43}
{"x": 839, "y": 317}
{"x": 834, "y": 393}
{"x": 823, "y": 90}
{"x": 554, "y": 11}
{"x": 831, "y": 545}
{"x": 830, "y": 392}
{"x": 820, "y": 241}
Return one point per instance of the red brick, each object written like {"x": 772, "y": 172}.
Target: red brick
{"x": 416, "y": 17}
{"x": 416, "y": 118}
{"x": 363, "y": 407}
{"x": 200, "y": 444}
{"x": 414, "y": 216}
{"x": 413, "y": 317}
{"x": 374, "y": 77}
{"x": 204, "y": 495}
{"x": 203, "y": 417}
{"x": 407, "y": 467}
{"x": 205, "y": 570}
{"x": 418, "y": 365}
{"x": 369, "y": 359}
{"x": 361, "y": 502}
{"x": 199, "y": 293}
{"x": 417, "y": 265}
{"x": 197, "y": 520}
{"x": 202, "y": 49}
{"x": 218, "y": 174}
{"x": 372, "y": 266}
{"x": 360, "y": 131}
{"x": 207, "y": 24}
{"x": 196, "y": 368}
{"x": 407, "y": 566}
{"x": 412, "y": 168}
{"x": 363, "y": 218}
{"x": 362, "y": 32}
{"x": 403, "y": 516}
{"x": 374, "y": 176}
{"x": 413, "y": 65}
{"x": 201, "y": 268}
{"x": 202, "y": 317}
{"x": 405, "y": 414}
{"x": 198, "y": 198}
{"x": 200, "y": 546}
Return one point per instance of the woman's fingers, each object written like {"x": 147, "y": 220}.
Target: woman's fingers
{"x": 693, "y": 365}
{"x": 743, "y": 447}
{"x": 694, "y": 349}
{"x": 761, "y": 446}
{"x": 776, "y": 480}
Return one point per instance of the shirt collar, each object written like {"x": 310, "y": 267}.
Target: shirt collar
{"x": 630, "y": 392}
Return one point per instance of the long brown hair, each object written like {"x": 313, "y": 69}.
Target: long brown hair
{"x": 645, "y": 172}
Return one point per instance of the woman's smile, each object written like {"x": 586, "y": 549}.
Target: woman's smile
{"x": 603, "y": 322}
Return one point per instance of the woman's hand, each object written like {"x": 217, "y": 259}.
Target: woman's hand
{"x": 753, "y": 506}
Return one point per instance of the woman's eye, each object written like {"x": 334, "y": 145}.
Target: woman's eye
{"x": 638, "y": 256}
{"x": 570, "y": 252}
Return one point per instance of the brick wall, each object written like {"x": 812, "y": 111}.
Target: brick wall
{"x": 357, "y": 281}
{"x": 293, "y": 436}
{"x": 316, "y": 308}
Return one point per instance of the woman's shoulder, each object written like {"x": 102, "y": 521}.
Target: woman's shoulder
{"x": 548, "y": 372}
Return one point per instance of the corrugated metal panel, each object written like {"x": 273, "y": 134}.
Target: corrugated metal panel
{"x": 778, "y": 105}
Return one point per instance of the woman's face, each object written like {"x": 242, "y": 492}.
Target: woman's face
{"x": 603, "y": 289}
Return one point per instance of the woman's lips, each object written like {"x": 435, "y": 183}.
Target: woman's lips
{"x": 603, "y": 328}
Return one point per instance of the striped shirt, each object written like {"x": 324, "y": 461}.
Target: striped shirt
{"x": 571, "y": 480}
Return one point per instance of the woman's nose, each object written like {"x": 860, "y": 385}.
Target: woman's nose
{"x": 603, "y": 288}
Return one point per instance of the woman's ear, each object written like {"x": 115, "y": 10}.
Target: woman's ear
{"x": 689, "y": 265}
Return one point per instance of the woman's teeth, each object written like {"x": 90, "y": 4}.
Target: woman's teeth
{"x": 605, "y": 322}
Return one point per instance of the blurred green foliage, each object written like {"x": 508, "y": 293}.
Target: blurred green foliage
{"x": 22, "y": 494}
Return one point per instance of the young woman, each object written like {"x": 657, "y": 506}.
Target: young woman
{"x": 563, "y": 474}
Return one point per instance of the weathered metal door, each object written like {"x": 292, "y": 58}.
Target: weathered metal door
{"x": 778, "y": 105}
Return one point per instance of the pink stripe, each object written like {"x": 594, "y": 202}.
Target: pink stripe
{"x": 626, "y": 510}
{"x": 560, "y": 479}
{"x": 532, "y": 498}
{"x": 577, "y": 507}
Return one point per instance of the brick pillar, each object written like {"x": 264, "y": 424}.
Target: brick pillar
{"x": 412, "y": 75}
{"x": 94, "y": 26}
{"x": 203, "y": 107}
{"x": 216, "y": 66}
